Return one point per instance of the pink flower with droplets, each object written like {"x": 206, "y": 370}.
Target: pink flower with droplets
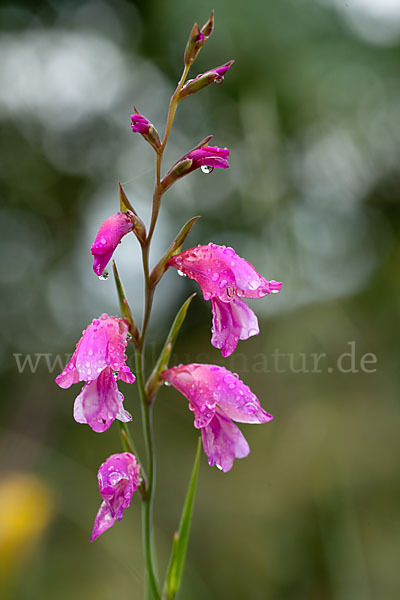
{"x": 218, "y": 397}
{"x": 108, "y": 237}
{"x": 225, "y": 278}
{"x": 99, "y": 354}
{"x": 118, "y": 478}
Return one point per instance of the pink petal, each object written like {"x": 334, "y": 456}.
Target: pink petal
{"x": 232, "y": 321}
{"x": 100, "y": 402}
{"x": 223, "y": 442}
{"x": 220, "y": 272}
{"x": 103, "y": 521}
{"x": 102, "y": 344}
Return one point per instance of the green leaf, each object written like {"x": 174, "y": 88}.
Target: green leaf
{"x": 124, "y": 307}
{"x": 160, "y": 268}
{"x": 154, "y": 382}
{"x": 181, "y": 537}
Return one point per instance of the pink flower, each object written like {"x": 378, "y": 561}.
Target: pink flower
{"x": 108, "y": 237}
{"x": 216, "y": 397}
{"x": 140, "y": 124}
{"x": 99, "y": 352}
{"x": 118, "y": 478}
{"x": 225, "y": 278}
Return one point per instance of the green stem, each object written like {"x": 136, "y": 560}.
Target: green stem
{"x": 152, "y": 589}
{"x": 152, "y": 592}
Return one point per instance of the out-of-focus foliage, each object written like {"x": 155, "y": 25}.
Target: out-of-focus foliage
{"x": 310, "y": 111}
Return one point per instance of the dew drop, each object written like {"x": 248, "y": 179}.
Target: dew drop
{"x": 181, "y": 273}
{"x": 167, "y": 383}
{"x": 206, "y": 169}
{"x": 218, "y": 466}
{"x": 219, "y": 80}
{"x": 253, "y": 332}
{"x": 215, "y": 276}
{"x": 128, "y": 337}
{"x": 274, "y": 291}
{"x": 104, "y": 276}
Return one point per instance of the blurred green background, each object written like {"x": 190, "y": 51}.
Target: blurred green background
{"x": 311, "y": 114}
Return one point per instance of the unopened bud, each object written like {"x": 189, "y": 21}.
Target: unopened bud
{"x": 197, "y": 39}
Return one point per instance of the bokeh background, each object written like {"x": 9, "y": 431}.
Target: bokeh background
{"x": 311, "y": 113}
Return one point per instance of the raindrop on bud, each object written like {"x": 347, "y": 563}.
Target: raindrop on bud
{"x": 128, "y": 337}
{"x": 206, "y": 169}
{"x": 219, "y": 80}
{"x": 274, "y": 291}
{"x": 167, "y": 383}
{"x": 104, "y": 276}
{"x": 181, "y": 273}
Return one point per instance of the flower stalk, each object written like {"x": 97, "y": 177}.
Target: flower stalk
{"x": 217, "y": 397}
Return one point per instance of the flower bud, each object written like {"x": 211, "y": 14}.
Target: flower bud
{"x": 141, "y": 125}
{"x": 204, "y": 79}
{"x": 197, "y": 39}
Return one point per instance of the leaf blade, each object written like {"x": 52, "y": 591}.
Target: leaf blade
{"x": 154, "y": 382}
{"x": 181, "y": 538}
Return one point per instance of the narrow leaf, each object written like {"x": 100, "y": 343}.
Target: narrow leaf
{"x": 124, "y": 307}
{"x": 153, "y": 383}
{"x": 181, "y": 538}
{"x": 160, "y": 268}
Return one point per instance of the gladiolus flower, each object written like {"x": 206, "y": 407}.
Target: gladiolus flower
{"x": 108, "y": 237}
{"x": 99, "y": 353}
{"x": 118, "y": 478}
{"x": 225, "y": 278}
{"x": 218, "y": 397}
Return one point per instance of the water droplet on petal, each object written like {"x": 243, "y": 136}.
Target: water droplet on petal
{"x": 104, "y": 276}
{"x": 128, "y": 337}
{"x": 181, "y": 273}
{"x": 215, "y": 276}
{"x": 206, "y": 169}
{"x": 167, "y": 383}
{"x": 218, "y": 466}
{"x": 253, "y": 332}
{"x": 274, "y": 291}
{"x": 219, "y": 80}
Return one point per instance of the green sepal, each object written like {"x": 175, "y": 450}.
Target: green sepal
{"x": 124, "y": 308}
{"x": 181, "y": 537}
{"x": 154, "y": 382}
{"x": 139, "y": 228}
{"x": 160, "y": 268}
